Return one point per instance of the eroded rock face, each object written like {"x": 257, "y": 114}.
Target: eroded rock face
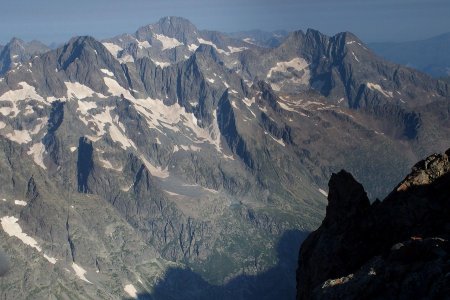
{"x": 395, "y": 249}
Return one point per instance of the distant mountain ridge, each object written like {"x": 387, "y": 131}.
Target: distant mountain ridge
{"x": 430, "y": 55}
{"x": 262, "y": 38}
{"x": 17, "y": 52}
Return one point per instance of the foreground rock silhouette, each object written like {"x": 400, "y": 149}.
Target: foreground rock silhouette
{"x": 397, "y": 248}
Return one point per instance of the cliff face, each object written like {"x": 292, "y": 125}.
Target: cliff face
{"x": 397, "y": 248}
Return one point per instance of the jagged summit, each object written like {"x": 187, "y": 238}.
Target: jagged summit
{"x": 174, "y": 27}
{"x": 17, "y": 51}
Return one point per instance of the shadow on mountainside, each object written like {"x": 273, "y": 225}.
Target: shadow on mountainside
{"x": 277, "y": 282}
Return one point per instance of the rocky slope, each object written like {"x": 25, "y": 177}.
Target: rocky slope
{"x": 397, "y": 248}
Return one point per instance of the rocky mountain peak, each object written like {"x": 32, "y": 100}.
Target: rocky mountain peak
{"x": 21, "y": 48}
{"x": 173, "y": 27}
{"x": 346, "y": 199}
{"x": 17, "y": 52}
{"x": 170, "y": 23}
{"x": 16, "y": 43}
{"x": 84, "y": 48}
{"x": 82, "y": 45}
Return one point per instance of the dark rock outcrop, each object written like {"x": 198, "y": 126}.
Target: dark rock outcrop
{"x": 395, "y": 249}
{"x": 85, "y": 164}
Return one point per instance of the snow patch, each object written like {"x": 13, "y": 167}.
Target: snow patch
{"x": 143, "y": 45}
{"x": 28, "y": 110}
{"x": 76, "y": 90}
{"x": 298, "y": 64}
{"x": 126, "y": 59}
{"x": 113, "y": 48}
{"x": 19, "y": 136}
{"x": 20, "y": 203}
{"x": 162, "y": 64}
{"x": 50, "y": 259}
{"x": 158, "y": 116}
{"x": 85, "y": 106}
{"x": 12, "y": 228}
{"x": 167, "y": 42}
{"x": 279, "y": 141}
{"x": 126, "y": 189}
{"x": 236, "y": 49}
{"x": 107, "y": 72}
{"x": 249, "y": 102}
{"x": 80, "y": 272}
{"x": 192, "y": 47}
{"x": 115, "y": 128}
{"x": 290, "y": 75}
{"x": 108, "y": 165}
{"x": 6, "y": 111}
{"x": 116, "y": 89}
{"x": 202, "y": 41}
{"x": 323, "y": 192}
{"x": 131, "y": 291}
{"x": 378, "y": 88}
{"x": 172, "y": 193}
{"x": 286, "y": 107}
{"x": 72, "y": 149}
{"x": 154, "y": 170}
{"x": 249, "y": 40}
{"x": 354, "y": 56}
{"x": 26, "y": 92}
{"x": 2, "y": 125}
{"x": 37, "y": 151}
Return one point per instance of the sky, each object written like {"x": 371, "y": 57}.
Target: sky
{"x": 372, "y": 20}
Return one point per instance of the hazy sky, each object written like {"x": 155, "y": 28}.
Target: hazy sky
{"x": 372, "y": 20}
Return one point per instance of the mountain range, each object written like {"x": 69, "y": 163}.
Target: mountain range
{"x": 430, "y": 55}
{"x": 187, "y": 164}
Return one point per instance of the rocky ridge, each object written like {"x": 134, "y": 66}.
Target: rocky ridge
{"x": 397, "y": 248}
{"x": 17, "y": 52}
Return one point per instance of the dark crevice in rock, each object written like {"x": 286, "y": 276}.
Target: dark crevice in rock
{"x": 69, "y": 240}
{"x": 85, "y": 164}
{"x": 32, "y": 190}
{"x": 50, "y": 140}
